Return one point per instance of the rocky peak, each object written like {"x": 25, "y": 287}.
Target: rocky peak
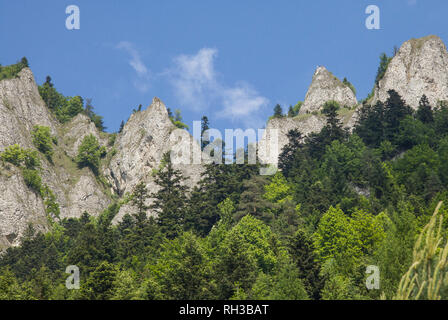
{"x": 76, "y": 191}
{"x": 145, "y": 138}
{"x": 76, "y": 130}
{"x": 420, "y": 67}
{"x": 325, "y": 87}
{"x": 21, "y": 108}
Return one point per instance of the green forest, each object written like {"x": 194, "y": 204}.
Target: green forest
{"x": 341, "y": 201}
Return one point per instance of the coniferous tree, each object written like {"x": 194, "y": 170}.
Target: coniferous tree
{"x": 24, "y": 62}
{"x": 302, "y": 252}
{"x": 424, "y": 112}
{"x": 395, "y": 111}
{"x": 384, "y": 63}
{"x": 139, "y": 197}
{"x": 121, "y": 126}
{"x": 291, "y": 112}
{"x": 170, "y": 200}
{"x": 252, "y": 201}
{"x": 204, "y": 136}
{"x": 287, "y": 156}
{"x": 278, "y": 111}
{"x": 370, "y": 125}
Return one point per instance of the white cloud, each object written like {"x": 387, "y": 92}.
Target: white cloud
{"x": 135, "y": 61}
{"x": 412, "y": 2}
{"x": 197, "y": 87}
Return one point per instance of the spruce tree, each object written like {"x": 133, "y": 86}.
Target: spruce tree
{"x": 139, "y": 197}
{"x": 287, "y": 156}
{"x": 204, "y": 137}
{"x": 424, "y": 112}
{"x": 302, "y": 250}
{"x": 121, "y": 126}
{"x": 170, "y": 200}
{"x": 395, "y": 111}
{"x": 278, "y": 111}
{"x": 291, "y": 112}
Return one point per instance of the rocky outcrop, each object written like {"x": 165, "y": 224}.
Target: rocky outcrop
{"x": 326, "y": 87}
{"x": 21, "y": 108}
{"x": 76, "y": 130}
{"x": 18, "y": 207}
{"x": 272, "y": 143}
{"x": 145, "y": 138}
{"x": 420, "y": 67}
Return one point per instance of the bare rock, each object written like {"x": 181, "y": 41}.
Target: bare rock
{"x": 21, "y": 108}
{"x": 19, "y": 206}
{"x": 326, "y": 87}
{"x": 420, "y": 67}
{"x": 145, "y": 138}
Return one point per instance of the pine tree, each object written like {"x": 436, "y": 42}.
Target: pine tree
{"x": 121, "y": 126}
{"x": 24, "y": 62}
{"x": 138, "y": 198}
{"x": 333, "y": 128}
{"x": 370, "y": 125}
{"x": 170, "y": 200}
{"x": 395, "y": 111}
{"x": 287, "y": 156}
{"x": 204, "y": 136}
{"x": 301, "y": 249}
{"x": 252, "y": 201}
{"x": 291, "y": 112}
{"x": 424, "y": 112}
{"x": 384, "y": 63}
{"x": 278, "y": 111}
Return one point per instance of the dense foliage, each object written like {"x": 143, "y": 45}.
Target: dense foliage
{"x": 66, "y": 108}
{"x": 341, "y": 202}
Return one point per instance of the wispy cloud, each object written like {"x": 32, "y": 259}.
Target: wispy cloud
{"x": 194, "y": 79}
{"x": 412, "y": 2}
{"x": 197, "y": 86}
{"x": 135, "y": 61}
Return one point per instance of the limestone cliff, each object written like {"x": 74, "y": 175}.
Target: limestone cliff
{"x": 145, "y": 138}
{"x": 21, "y": 108}
{"x": 325, "y": 87}
{"x": 420, "y": 67}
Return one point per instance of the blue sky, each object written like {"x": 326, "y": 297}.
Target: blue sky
{"x": 230, "y": 60}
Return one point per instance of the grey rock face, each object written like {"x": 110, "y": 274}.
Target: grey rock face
{"x": 18, "y": 207}
{"x": 326, "y": 87}
{"x": 76, "y": 130}
{"x": 305, "y": 124}
{"x": 145, "y": 138}
{"x": 420, "y": 67}
{"x": 21, "y": 108}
